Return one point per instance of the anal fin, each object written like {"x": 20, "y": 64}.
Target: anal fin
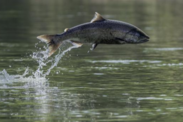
{"x": 76, "y": 43}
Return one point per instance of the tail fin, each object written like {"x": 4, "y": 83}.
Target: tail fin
{"x": 53, "y": 46}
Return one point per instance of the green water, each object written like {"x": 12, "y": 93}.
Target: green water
{"x": 113, "y": 83}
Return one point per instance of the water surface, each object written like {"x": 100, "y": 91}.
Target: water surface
{"x": 134, "y": 83}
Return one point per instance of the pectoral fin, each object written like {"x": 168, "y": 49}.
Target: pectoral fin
{"x": 94, "y": 46}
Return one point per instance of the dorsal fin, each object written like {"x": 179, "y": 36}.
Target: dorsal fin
{"x": 66, "y": 29}
{"x": 97, "y": 18}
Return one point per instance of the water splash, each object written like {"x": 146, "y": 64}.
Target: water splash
{"x": 37, "y": 78}
{"x": 43, "y": 59}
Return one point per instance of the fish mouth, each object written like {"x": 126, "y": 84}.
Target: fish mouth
{"x": 144, "y": 40}
{"x": 146, "y": 37}
{"x": 143, "y": 37}
{"x": 138, "y": 41}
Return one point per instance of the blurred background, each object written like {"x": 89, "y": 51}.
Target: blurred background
{"x": 135, "y": 83}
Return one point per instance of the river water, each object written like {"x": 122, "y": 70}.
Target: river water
{"x": 124, "y": 83}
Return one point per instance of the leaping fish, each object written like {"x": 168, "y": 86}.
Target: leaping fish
{"x": 98, "y": 31}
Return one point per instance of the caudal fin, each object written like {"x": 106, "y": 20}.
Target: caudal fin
{"x": 53, "y": 45}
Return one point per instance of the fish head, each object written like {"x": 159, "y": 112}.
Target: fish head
{"x": 136, "y": 36}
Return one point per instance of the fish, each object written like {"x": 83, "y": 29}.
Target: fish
{"x": 98, "y": 31}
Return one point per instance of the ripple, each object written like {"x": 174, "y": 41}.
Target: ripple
{"x": 153, "y": 98}
{"x": 126, "y": 61}
{"x": 166, "y": 49}
{"x": 98, "y": 73}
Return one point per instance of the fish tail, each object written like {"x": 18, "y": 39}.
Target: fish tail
{"x": 53, "y": 44}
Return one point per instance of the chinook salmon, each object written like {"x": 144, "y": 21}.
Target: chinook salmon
{"x": 98, "y": 31}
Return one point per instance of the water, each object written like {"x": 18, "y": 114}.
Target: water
{"x": 135, "y": 83}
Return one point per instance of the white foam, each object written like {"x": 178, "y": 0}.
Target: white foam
{"x": 36, "y": 78}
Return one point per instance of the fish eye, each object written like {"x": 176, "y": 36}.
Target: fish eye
{"x": 137, "y": 34}
{"x": 134, "y": 33}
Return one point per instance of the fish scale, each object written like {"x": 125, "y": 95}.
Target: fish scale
{"x": 98, "y": 31}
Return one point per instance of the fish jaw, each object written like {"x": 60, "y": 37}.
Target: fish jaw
{"x": 135, "y": 36}
{"x": 143, "y": 36}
